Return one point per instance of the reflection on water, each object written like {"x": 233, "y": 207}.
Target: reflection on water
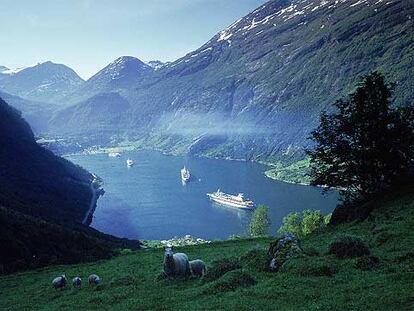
{"x": 149, "y": 200}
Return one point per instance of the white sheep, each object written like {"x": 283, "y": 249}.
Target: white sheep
{"x": 59, "y": 282}
{"x": 94, "y": 279}
{"x": 77, "y": 282}
{"x": 197, "y": 268}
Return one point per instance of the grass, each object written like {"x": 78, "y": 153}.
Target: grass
{"x": 317, "y": 281}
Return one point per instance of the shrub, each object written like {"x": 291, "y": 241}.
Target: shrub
{"x": 311, "y": 221}
{"x": 348, "y": 247}
{"x": 292, "y": 223}
{"x": 219, "y": 267}
{"x": 303, "y": 224}
{"x": 255, "y": 259}
{"x": 259, "y": 225}
{"x": 231, "y": 281}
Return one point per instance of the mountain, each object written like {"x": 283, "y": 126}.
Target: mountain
{"x": 156, "y": 64}
{"x": 105, "y": 111}
{"x": 33, "y": 180}
{"x": 255, "y": 90}
{"x": 46, "y": 82}
{"x": 43, "y": 202}
{"x": 123, "y": 73}
{"x": 37, "y": 114}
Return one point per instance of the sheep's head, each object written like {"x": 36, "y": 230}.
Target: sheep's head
{"x": 168, "y": 253}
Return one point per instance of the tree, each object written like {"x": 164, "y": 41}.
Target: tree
{"x": 292, "y": 223}
{"x": 312, "y": 221}
{"x": 365, "y": 146}
{"x": 260, "y": 222}
{"x": 302, "y": 224}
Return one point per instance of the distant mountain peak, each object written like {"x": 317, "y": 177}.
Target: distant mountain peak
{"x": 156, "y": 64}
{"x": 43, "y": 81}
{"x": 3, "y": 68}
{"x": 122, "y": 67}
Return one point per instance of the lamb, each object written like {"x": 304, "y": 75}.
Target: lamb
{"x": 94, "y": 279}
{"x": 77, "y": 282}
{"x": 197, "y": 268}
{"x": 59, "y": 282}
{"x": 176, "y": 265}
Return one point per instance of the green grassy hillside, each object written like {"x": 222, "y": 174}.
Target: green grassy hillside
{"x": 316, "y": 281}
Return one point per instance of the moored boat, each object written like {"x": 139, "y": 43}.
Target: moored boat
{"x": 238, "y": 201}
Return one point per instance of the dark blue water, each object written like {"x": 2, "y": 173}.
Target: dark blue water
{"x": 149, "y": 201}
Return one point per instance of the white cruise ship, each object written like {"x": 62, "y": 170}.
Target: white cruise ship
{"x": 185, "y": 174}
{"x": 114, "y": 154}
{"x": 231, "y": 200}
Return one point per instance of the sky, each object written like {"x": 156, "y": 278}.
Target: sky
{"x": 86, "y": 35}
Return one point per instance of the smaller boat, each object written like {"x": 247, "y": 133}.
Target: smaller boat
{"x": 130, "y": 162}
{"x": 114, "y": 154}
{"x": 185, "y": 174}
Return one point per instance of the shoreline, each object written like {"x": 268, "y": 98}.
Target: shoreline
{"x": 96, "y": 191}
{"x": 105, "y": 150}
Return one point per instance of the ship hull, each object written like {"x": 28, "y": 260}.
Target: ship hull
{"x": 230, "y": 203}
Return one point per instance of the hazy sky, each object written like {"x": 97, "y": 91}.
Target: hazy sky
{"x": 88, "y": 34}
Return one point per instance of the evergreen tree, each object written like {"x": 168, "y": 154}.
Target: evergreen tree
{"x": 365, "y": 146}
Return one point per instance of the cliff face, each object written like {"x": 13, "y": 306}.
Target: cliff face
{"x": 43, "y": 200}
{"x": 33, "y": 180}
{"x": 255, "y": 90}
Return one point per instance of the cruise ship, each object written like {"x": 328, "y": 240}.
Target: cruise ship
{"x": 231, "y": 200}
{"x": 114, "y": 154}
{"x": 185, "y": 174}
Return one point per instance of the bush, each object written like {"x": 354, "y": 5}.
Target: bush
{"x": 219, "y": 267}
{"x": 231, "y": 281}
{"x": 259, "y": 225}
{"x": 348, "y": 247}
{"x": 255, "y": 259}
{"x": 303, "y": 224}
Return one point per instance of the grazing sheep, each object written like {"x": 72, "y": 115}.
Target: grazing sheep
{"x": 94, "y": 279}
{"x": 197, "y": 268}
{"x": 59, "y": 282}
{"x": 77, "y": 282}
{"x": 176, "y": 265}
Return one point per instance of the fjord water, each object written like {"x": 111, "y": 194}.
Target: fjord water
{"x": 149, "y": 201}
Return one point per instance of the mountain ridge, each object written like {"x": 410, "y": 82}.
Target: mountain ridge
{"x": 48, "y": 82}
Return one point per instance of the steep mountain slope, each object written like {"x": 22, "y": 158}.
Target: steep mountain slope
{"x": 105, "y": 111}
{"x": 122, "y": 73}
{"x": 33, "y": 180}
{"x": 43, "y": 200}
{"x": 255, "y": 89}
{"x": 47, "y": 82}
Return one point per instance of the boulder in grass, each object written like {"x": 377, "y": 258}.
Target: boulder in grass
{"x": 283, "y": 249}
